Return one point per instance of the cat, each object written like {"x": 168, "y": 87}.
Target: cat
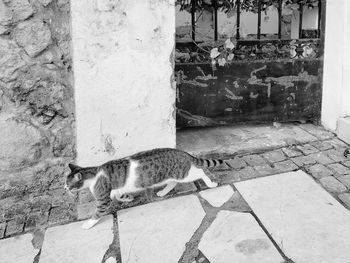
{"x": 118, "y": 179}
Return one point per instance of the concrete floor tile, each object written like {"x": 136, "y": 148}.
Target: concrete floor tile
{"x": 17, "y": 249}
{"x": 307, "y": 223}
{"x": 239, "y": 139}
{"x": 237, "y": 237}
{"x": 217, "y": 196}
{"x": 71, "y": 243}
{"x": 158, "y": 232}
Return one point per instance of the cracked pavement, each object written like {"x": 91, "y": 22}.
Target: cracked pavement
{"x": 280, "y": 202}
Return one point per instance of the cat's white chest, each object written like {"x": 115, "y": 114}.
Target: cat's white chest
{"x": 130, "y": 184}
{"x": 90, "y": 183}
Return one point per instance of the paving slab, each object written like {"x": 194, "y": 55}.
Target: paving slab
{"x": 226, "y": 141}
{"x": 17, "y": 249}
{"x": 71, "y": 243}
{"x": 237, "y": 237}
{"x": 217, "y": 196}
{"x": 158, "y": 232}
{"x": 307, "y": 223}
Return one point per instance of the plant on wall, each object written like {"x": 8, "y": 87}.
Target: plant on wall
{"x": 223, "y": 54}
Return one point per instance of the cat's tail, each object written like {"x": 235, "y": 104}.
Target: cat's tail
{"x": 207, "y": 163}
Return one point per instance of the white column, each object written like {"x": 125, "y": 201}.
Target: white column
{"x": 124, "y": 92}
{"x": 333, "y": 64}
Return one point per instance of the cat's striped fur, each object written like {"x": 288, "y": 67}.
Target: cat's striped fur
{"x": 118, "y": 179}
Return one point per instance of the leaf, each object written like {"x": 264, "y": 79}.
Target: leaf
{"x": 229, "y": 44}
{"x": 214, "y": 53}
{"x": 221, "y": 61}
{"x": 230, "y": 57}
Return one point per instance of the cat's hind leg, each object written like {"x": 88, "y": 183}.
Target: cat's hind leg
{"x": 197, "y": 173}
{"x": 170, "y": 186}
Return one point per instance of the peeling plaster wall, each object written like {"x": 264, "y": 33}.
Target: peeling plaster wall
{"x": 123, "y": 77}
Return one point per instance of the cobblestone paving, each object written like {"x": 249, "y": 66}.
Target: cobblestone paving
{"x": 322, "y": 158}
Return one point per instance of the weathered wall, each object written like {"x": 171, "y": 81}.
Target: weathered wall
{"x": 36, "y": 99}
{"x": 123, "y": 77}
{"x": 254, "y": 92}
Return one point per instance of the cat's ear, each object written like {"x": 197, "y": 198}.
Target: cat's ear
{"x": 78, "y": 176}
{"x": 73, "y": 167}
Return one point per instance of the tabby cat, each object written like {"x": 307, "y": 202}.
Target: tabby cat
{"x": 118, "y": 178}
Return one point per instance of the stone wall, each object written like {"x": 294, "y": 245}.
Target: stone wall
{"x": 36, "y": 105}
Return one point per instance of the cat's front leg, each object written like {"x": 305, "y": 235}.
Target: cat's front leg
{"x": 101, "y": 210}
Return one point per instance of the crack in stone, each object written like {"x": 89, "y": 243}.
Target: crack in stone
{"x": 114, "y": 248}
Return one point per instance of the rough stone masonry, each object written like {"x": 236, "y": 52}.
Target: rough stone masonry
{"x": 36, "y": 110}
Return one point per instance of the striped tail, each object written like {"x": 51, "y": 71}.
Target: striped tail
{"x": 207, "y": 163}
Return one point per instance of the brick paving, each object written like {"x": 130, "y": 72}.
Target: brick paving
{"x": 322, "y": 159}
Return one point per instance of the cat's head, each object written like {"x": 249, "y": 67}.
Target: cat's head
{"x": 74, "y": 180}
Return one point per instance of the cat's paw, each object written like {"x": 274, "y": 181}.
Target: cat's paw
{"x": 90, "y": 223}
{"x": 125, "y": 198}
{"x": 213, "y": 185}
{"x": 161, "y": 193}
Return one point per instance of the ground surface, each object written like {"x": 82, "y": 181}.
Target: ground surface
{"x": 284, "y": 198}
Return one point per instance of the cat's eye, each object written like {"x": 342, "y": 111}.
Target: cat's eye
{"x": 77, "y": 176}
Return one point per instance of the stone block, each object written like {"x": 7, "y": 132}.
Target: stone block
{"x": 247, "y": 173}
{"x": 36, "y": 220}
{"x": 275, "y": 156}
{"x": 332, "y": 185}
{"x": 86, "y": 210}
{"x": 286, "y": 166}
{"x": 307, "y": 149}
{"x": 217, "y": 196}
{"x": 291, "y": 152}
{"x": 318, "y": 131}
{"x": 71, "y": 243}
{"x": 23, "y": 146}
{"x": 321, "y": 158}
{"x": 183, "y": 188}
{"x": 10, "y": 59}
{"x": 2, "y": 229}
{"x": 236, "y": 163}
{"x": 336, "y": 155}
{"x": 345, "y": 180}
{"x": 321, "y": 145}
{"x": 226, "y": 177}
{"x": 241, "y": 239}
{"x": 254, "y": 160}
{"x": 266, "y": 169}
{"x": 60, "y": 215}
{"x": 15, "y": 226}
{"x": 345, "y": 198}
{"x": 18, "y": 249}
{"x": 339, "y": 168}
{"x": 303, "y": 160}
{"x": 33, "y": 35}
{"x": 319, "y": 171}
{"x": 346, "y": 163}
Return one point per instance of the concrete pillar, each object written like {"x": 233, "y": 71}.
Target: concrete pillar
{"x": 123, "y": 69}
{"x": 333, "y": 64}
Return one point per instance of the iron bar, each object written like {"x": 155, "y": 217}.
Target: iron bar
{"x": 215, "y": 19}
{"x": 301, "y": 9}
{"x": 238, "y": 5}
{"x": 259, "y": 19}
{"x": 193, "y": 18}
{"x": 279, "y": 19}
